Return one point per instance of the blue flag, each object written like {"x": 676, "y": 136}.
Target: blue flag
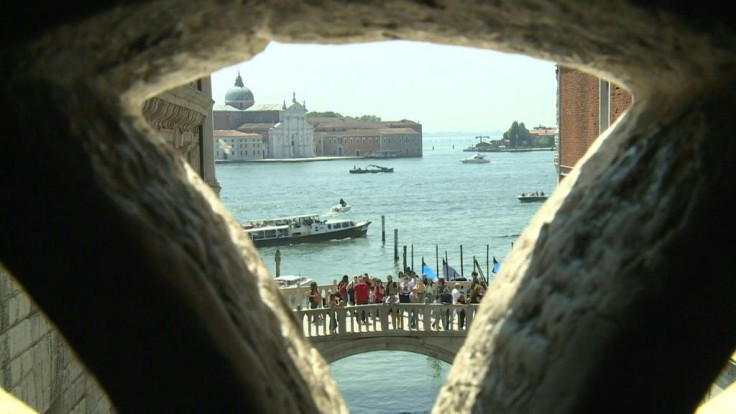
{"x": 450, "y": 273}
{"x": 496, "y": 265}
{"x": 426, "y": 270}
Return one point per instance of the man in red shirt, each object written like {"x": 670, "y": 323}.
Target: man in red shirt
{"x": 360, "y": 290}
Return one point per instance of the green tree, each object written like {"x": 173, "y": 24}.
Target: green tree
{"x": 524, "y": 136}
{"x": 513, "y": 134}
{"x": 327, "y": 114}
{"x": 331, "y": 114}
{"x": 518, "y": 135}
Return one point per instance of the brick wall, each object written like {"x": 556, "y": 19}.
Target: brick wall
{"x": 578, "y": 123}
{"x": 37, "y": 365}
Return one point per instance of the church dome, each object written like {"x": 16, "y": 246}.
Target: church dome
{"x": 239, "y": 96}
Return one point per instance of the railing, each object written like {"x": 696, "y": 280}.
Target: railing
{"x": 296, "y": 297}
{"x": 387, "y": 319}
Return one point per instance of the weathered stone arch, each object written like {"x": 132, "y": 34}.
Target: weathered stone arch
{"x": 135, "y": 261}
{"x": 444, "y": 348}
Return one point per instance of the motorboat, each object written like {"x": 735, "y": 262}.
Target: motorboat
{"x": 302, "y": 229}
{"x": 535, "y": 197}
{"x": 339, "y": 208}
{"x": 291, "y": 281}
{"x": 476, "y": 159}
{"x": 371, "y": 169}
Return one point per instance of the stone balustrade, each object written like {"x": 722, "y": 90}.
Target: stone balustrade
{"x": 296, "y": 297}
{"x": 380, "y": 319}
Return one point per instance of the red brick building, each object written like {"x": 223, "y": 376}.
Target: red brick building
{"x": 587, "y": 106}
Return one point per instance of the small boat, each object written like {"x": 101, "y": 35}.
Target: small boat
{"x": 532, "y": 197}
{"x": 476, "y": 159}
{"x": 302, "y": 229}
{"x": 291, "y": 281}
{"x": 340, "y": 208}
{"x": 371, "y": 169}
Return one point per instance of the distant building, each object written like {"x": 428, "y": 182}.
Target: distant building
{"x": 233, "y": 145}
{"x": 543, "y": 137}
{"x": 287, "y": 132}
{"x": 346, "y": 137}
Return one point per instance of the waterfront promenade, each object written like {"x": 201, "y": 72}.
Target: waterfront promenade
{"x": 302, "y": 159}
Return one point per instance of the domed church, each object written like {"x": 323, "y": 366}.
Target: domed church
{"x": 283, "y": 131}
{"x": 239, "y": 96}
{"x": 246, "y": 131}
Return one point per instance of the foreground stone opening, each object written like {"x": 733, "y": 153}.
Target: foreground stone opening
{"x": 134, "y": 260}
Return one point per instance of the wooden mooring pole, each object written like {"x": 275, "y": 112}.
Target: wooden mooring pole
{"x": 488, "y": 260}
{"x": 383, "y": 230}
{"x": 462, "y": 271}
{"x": 404, "y": 264}
{"x": 396, "y": 245}
{"x": 437, "y": 258}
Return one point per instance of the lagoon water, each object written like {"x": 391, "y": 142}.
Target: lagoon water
{"x": 437, "y": 204}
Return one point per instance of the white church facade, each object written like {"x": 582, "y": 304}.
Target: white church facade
{"x": 293, "y": 136}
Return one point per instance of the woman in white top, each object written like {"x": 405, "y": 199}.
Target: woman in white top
{"x": 393, "y": 301}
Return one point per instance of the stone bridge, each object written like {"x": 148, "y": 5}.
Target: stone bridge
{"x": 430, "y": 335}
{"x": 436, "y": 332}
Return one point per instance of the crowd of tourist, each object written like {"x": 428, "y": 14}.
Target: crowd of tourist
{"x": 407, "y": 288}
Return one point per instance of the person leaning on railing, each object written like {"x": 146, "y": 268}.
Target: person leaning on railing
{"x": 361, "y": 292}
{"x": 476, "y": 293}
{"x": 334, "y": 303}
{"x": 392, "y": 300}
{"x": 446, "y": 299}
{"x": 342, "y": 287}
{"x": 430, "y": 289}
{"x": 314, "y": 299}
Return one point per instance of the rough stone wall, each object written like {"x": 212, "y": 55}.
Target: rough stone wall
{"x": 37, "y": 366}
{"x": 591, "y": 313}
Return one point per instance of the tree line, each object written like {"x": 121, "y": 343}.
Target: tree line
{"x": 330, "y": 114}
{"x": 519, "y": 136}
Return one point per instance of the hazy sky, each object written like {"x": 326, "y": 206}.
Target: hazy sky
{"x": 445, "y": 88}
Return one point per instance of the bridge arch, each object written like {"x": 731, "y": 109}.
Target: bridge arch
{"x": 443, "y": 348}
{"x": 377, "y": 334}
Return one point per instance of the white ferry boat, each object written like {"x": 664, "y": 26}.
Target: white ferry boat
{"x": 289, "y": 281}
{"x": 476, "y": 159}
{"x": 301, "y": 229}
